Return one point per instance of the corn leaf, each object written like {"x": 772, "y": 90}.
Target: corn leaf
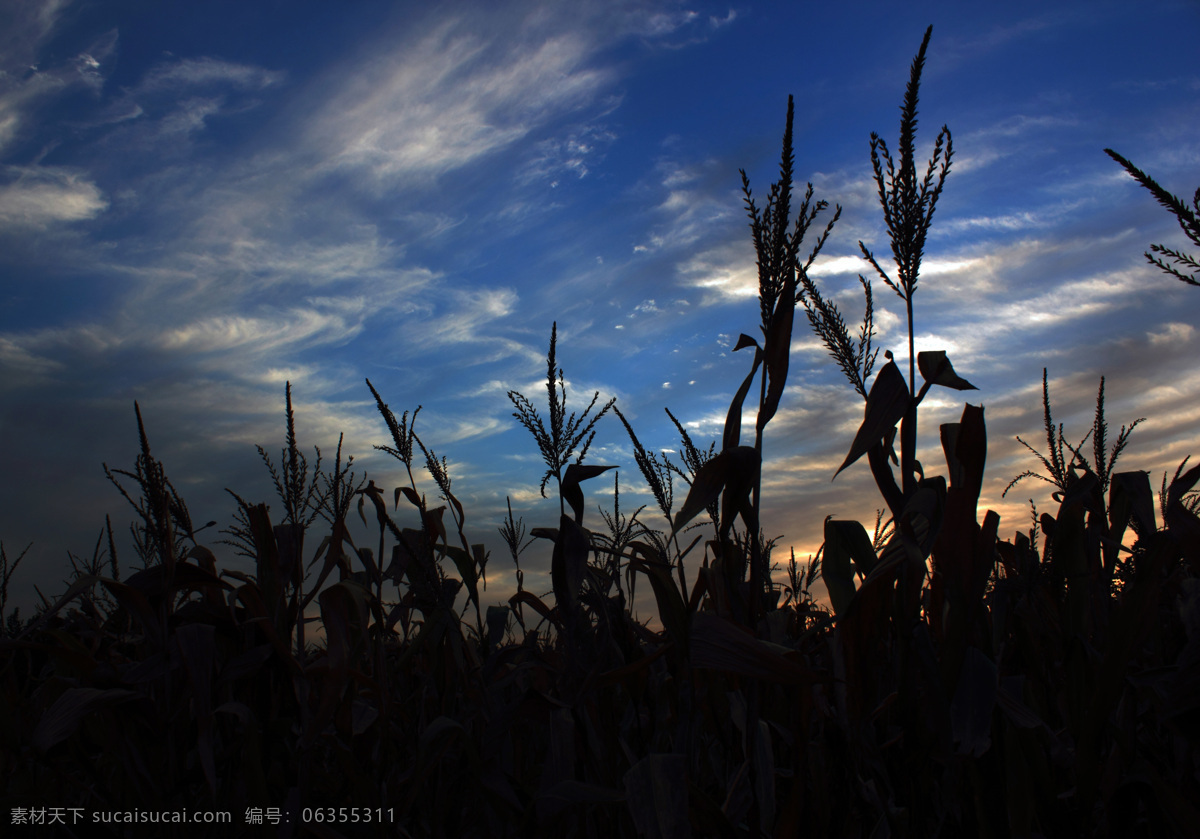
{"x": 936, "y": 369}
{"x": 886, "y": 405}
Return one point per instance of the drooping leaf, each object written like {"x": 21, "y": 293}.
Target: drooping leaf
{"x": 733, "y": 420}
{"x": 410, "y": 494}
{"x": 1130, "y": 496}
{"x": 845, "y": 541}
{"x": 532, "y": 600}
{"x": 434, "y": 523}
{"x": 744, "y": 341}
{"x": 465, "y": 564}
{"x": 778, "y": 350}
{"x": 572, "y": 493}
{"x": 886, "y": 405}
{"x": 706, "y": 488}
{"x": 936, "y": 369}
{"x": 671, "y": 609}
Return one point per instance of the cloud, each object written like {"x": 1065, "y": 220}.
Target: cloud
{"x": 179, "y": 97}
{"x": 571, "y": 156}
{"x": 448, "y": 100}
{"x": 39, "y": 196}
{"x": 206, "y": 71}
{"x": 676, "y": 28}
{"x": 1172, "y": 334}
{"x": 24, "y": 27}
{"x": 297, "y": 326}
{"x": 21, "y": 365}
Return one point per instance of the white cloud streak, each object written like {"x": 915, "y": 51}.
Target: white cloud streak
{"x": 447, "y": 101}
{"x": 38, "y": 196}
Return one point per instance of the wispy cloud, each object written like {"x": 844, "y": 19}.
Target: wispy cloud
{"x": 206, "y": 71}
{"x": 38, "y": 196}
{"x": 25, "y": 26}
{"x": 449, "y": 99}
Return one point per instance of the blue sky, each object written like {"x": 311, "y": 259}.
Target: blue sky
{"x": 201, "y": 201}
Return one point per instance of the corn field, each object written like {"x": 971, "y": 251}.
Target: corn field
{"x": 954, "y": 683}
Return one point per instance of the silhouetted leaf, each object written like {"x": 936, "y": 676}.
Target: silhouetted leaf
{"x": 568, "y": 565}
{"x": 671, "y": 609}
{"x": 845, "y": 541}
{"x": 465, "y": 564}
{"x": 744, "y": 341}
{"x": 1130, "y": 496}
{"x": 706, "y": 488}
{"x": 410, "y": 494}
{"x": 529, "y": 598}
{"x": 1181, "y": 522}
{"x": 886, "y": 404}
{"x": 344, "y": 615}
{"x": 733, "y": 420}
{"x": 434, "y": 523}
{"x": 778, "y": 350}
{"x": 936, "y": 369}
{"x": 572, "y": 493}
{"x": 197, "y": 647}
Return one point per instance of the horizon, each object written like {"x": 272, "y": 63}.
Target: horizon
{"x": 199, "y": 204}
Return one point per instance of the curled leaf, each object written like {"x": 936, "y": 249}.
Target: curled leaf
{"x": 572, "y": 493}
{"x": 936, "y": 368}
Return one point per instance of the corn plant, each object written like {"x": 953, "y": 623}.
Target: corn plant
{"x": 7, "y": 569}
{"x": 1003, "y": 689}
{"x": 1188, "y": 220}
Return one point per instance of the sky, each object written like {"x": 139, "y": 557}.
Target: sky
{"x": 202, "y": 201}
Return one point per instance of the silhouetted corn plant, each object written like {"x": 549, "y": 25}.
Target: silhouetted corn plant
{"x": 165, "y": 522}
{"x": 1006, "y": 691}
{"x": 568, "y": 435}
{"x": 1189, "y": 223}
{"x": 7, "y": 569}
